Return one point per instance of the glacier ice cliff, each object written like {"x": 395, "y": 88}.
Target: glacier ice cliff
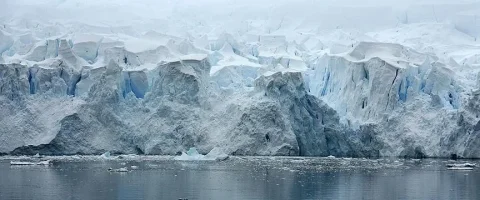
{"x": 414, "y": 99}
{"x": 277, "y": 118}
{"x": 379, "y": 99}
{"x": 383, "y": 79}
{"x": 355, "y": 104}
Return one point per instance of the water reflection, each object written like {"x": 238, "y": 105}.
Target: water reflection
{"x": 232, "y": 180}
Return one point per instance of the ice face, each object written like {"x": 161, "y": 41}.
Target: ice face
{"x": 6, "y": 42}
{"x": 192, "y": 154}
{"x": 376, "y": 79}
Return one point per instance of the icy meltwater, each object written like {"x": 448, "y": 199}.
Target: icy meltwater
{"x": 236, "y": 178}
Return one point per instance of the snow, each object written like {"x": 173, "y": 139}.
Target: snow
{"x": 139, "y": 45}
{"x": 5, "y": 42}
{"x": 340, "y": 78}
{"x": 84, "y": 38}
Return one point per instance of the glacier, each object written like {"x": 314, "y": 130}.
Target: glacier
{"x": 248, "y": 78}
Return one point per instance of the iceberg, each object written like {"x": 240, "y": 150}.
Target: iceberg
{"x": 215, "y": 154}
{"x": 191, "y": 154}
{"x": 105, "y": 155}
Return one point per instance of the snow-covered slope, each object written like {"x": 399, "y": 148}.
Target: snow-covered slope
{"x": 310, "y": 78}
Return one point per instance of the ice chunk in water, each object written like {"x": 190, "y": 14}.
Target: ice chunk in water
{"x": 460, "y": 168}
{"x": 45, "y": 162}
{"x": 105, "y": 155}
{"x": 123, "y": 169}
{"x": 216, "y": 154}
{"x": 462, "y": 165}
{"x": 192, "y": 154}
{"x": 331, "y": 157}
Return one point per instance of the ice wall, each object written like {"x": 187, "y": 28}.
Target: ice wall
{"x": 310, "y": 78}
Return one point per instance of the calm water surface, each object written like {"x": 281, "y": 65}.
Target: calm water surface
{"x": 238, "y": 178}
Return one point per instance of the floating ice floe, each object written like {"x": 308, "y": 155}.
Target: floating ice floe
{"x": 134, "y": 167}
{"x": 45, "y": 162}
{"x": 123, "y": 169}
{"x": 37, "y": 156}
{"x": 217, "y": 155}
{"x": 192, "y": 154}
{"x": 460, "y": 168}
{"x": 470, "y": 165}
{"x": 331, "y": 157}
{"x": 105, "y": 155}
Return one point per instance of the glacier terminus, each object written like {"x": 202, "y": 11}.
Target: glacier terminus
{"x": 242, "y": 78}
